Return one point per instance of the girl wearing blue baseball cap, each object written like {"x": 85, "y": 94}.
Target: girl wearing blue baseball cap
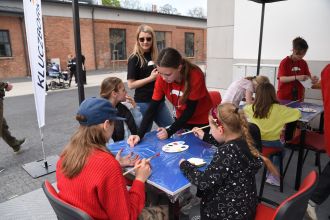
{"x": 89, "y": 177}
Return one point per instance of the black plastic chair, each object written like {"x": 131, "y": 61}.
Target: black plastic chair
{"x": 215, "y": 98}
{"x": 267, "y": 152}
{"x": 63, "y": 210}
{"x": 314, "y": 141}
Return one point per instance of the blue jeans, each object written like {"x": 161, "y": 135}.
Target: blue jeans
{"x": 163, "y": 116}
{"x": 275, "y": 158}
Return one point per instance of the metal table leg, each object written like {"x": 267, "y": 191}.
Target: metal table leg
{"x": 300, "y": 158}
{"x": 173, "y": 210}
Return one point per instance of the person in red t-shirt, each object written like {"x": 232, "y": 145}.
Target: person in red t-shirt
{"x": 325, "y": 85}
{"x": 292, "y": 70}
{"x": 322, "y": 191}
{"x": 183, "y": 84}
{"x": 90, "y": 177}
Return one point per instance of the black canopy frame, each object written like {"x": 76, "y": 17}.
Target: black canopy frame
{"x": 263, "y": 2}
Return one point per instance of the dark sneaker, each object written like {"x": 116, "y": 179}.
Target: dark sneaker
{"x": 18, "y": 145}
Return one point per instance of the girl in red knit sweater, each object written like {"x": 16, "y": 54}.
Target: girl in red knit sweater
{"x": 89, "y": 177}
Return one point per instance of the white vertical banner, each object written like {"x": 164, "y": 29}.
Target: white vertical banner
{"x": 35, "y": 42}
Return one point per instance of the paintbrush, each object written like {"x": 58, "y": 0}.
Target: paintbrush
{"x": 291, "y": 103}
{"x": 188, "y": 132}
{"x": 148, "y": 160}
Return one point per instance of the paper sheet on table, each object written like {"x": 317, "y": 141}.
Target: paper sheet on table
{"x": 307, "y": 83}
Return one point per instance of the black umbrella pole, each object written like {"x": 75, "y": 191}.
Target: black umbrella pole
{"x": 76, "y": 28}
{"x": 260, "y": 37}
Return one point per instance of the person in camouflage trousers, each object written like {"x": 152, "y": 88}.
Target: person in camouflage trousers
{"x": 4, "y": 131}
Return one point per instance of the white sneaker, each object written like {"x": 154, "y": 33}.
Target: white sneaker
{"x": 311, "y": 212}
{"x": 273, "y": 180}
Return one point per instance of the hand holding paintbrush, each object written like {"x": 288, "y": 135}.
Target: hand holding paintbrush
{"x": 140, "y": 164}
{"x": 198, "y": 132}
{"x": 194, "y": 130}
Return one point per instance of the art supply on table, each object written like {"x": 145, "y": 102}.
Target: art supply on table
{"x": 188, "y": 132}
{"x": 148, "y": 160}
{"x": 290, "y": 103}
{"x": 198, "y": 162}
{"x": 308, "y": 110}
{"x": 175, "y": 147}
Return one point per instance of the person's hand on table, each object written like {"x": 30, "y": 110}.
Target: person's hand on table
{"x": 162, "y": 133}
{"x": 133, "y": 140}
{"x": 314, "y": 79}
{"x": 198, "y": 132}
{"x": 143, "y": 170}
{"x": 181, "y": 161}
{"x": 127, "y": 160}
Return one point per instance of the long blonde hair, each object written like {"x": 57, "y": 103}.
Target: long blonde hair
{"x": 259, "y": 79}
{"x": 234, "y": 119}
{"x": 138, "y": 51}
{"x": 82, "y": 143}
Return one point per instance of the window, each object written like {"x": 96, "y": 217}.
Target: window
{"x": 189, "y": 44}
{"x": 118, "y": 44}
{"x": 5, "y": 48}
{"x": 161, "y": 42}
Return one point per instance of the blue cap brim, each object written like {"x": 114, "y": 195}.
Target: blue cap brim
{"x": 118, "y": 119}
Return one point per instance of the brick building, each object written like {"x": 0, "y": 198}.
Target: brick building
{"x": 107, "y": 35}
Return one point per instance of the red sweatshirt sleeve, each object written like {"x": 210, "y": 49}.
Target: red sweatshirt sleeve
{"x": 117, "y": 201}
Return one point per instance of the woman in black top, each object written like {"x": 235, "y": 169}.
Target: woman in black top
{"x": 141, "y": 74}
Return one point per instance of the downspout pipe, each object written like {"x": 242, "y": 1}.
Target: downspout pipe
{"x": 27, "y": 61}
{"x": 94, "y": 41}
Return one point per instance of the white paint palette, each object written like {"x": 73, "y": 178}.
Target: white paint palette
{"x": 199, "y": 162}
{"x": 175, "y": 147}
{"x": 310, "y": 110}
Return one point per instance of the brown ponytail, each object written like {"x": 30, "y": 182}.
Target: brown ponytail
{"x": 265, "y": 98}
{"x": 187, "y": 67}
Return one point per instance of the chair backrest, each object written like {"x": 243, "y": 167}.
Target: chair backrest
{"x": 215, "y": 97}
{"x": 295, "y": 206}
{"x": 255, "y": 133}
{"x": 290, "y": 131}
{"x": 63, "y": 210}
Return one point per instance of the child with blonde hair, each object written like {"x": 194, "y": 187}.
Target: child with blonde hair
{"x": 227, "y": 186}
{"x": 243, "y": 88}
